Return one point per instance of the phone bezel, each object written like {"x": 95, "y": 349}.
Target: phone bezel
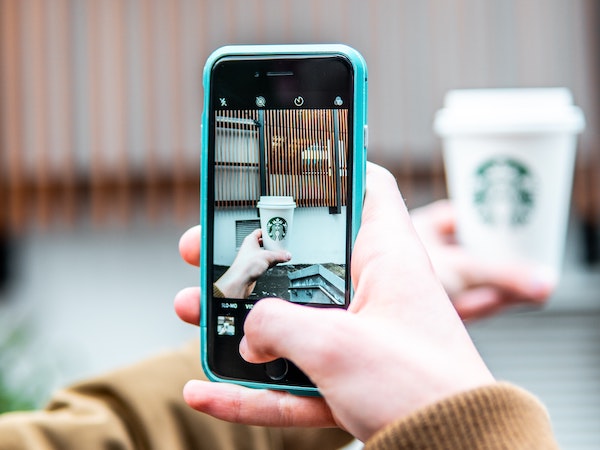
{"x": 358, "y": 150}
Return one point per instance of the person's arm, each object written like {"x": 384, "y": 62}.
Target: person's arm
{"x": 399, "y": 349}
{"x": 140, "y": 407}
{"x": 131, "y": 408}
{"x": 494, "y": 417}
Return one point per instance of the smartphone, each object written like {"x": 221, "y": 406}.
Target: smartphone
{"x": 284, "y": 138}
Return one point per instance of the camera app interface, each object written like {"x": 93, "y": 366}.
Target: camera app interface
{"x": 280, "y": 204}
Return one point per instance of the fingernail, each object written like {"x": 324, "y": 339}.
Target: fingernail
{"x": 190, "y": 388}
{"x": 243, "y": 346}
{"x": 288, "y": 255}
{"x": 544, "y": 281}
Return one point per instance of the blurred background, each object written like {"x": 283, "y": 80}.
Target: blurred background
{"x": 100, "y": 105}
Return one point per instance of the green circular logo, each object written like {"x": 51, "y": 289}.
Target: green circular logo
{"x": 277, "y": 228}
{"x": 504, "y": 192}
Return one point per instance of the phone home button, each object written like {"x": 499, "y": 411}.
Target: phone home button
{"x": 277, "y": 370}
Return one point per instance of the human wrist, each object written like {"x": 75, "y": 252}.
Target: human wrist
{"x": 232, "y": 287}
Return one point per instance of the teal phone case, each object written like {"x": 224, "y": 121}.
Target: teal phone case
{"x": 359, "y": 168}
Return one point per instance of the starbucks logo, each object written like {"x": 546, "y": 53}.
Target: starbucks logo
{"x": 277, "y": 228}
{"x": 504, "y": 192}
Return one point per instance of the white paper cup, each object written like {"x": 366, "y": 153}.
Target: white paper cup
{"x": 509, "y": 156}
{"x": 276, "y": 219}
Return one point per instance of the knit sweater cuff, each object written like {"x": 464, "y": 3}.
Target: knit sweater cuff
{"x": 217, "y": 292}
{"x": 498, "y": 416}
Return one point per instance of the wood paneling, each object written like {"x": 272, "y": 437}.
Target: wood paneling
{"x": 105, "y": 96}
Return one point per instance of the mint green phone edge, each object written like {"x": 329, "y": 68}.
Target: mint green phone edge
{"x": 360, "y": 137}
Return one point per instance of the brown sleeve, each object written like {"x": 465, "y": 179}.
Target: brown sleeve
{"x": 141, "y": 407}
{"x": 500, "y": 416}
{"x": 217, "y": 292}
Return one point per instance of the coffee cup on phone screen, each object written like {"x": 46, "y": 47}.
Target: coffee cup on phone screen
{"x": 276, "y": 220}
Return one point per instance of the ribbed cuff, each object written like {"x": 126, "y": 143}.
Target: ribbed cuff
{"x": 499, "y": 416}
{"x": 217, "y": 292}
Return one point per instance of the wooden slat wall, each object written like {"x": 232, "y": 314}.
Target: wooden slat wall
{"x": 300, "y": 158}
{"x": 99, "y": 110}
{"x": 100, "y": 100}
{"x": 300, "y": 155}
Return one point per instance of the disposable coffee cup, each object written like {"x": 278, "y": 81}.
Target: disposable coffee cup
{"x": 276, "y": 219}
{"x": 509, "y": 156}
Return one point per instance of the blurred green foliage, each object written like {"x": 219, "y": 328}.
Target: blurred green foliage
{"x": 22, "y": 382}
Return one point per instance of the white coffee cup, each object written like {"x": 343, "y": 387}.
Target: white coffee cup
{"x": 509, "y": 156}
{"x": 276, "y": 219}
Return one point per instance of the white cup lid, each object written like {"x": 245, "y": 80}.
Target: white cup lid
{"x": 519, "y": 110}
{"x": 276, "y": 201}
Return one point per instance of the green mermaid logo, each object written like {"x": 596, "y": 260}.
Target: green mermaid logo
{"x": 504, "y": 193}
{"x": 277, "y": 228}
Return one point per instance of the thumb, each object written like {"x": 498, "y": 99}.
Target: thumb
{"x": 276, "y": 328}
{"x": 387, "y": 255}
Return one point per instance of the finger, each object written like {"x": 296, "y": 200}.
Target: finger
{"x": 259, "y": 407}
{"x": 525, "y": 281}
{"x": 479, "y": 303}
{"x": 253, "y": 239}
{"x": 485, "y": 301}
{"x": 187, "y": 305}
{"x": 274, "y": 257}
{"x": 189, "y": 246}
{"x": 439, "y": 217}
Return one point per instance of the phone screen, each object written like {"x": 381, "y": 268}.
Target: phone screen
{"x": 280, "y": 187}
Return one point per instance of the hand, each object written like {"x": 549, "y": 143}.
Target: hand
{"x": 400, "y": 346}
{"x": 477, "y": 287}
{"x": 251, "y": 262}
